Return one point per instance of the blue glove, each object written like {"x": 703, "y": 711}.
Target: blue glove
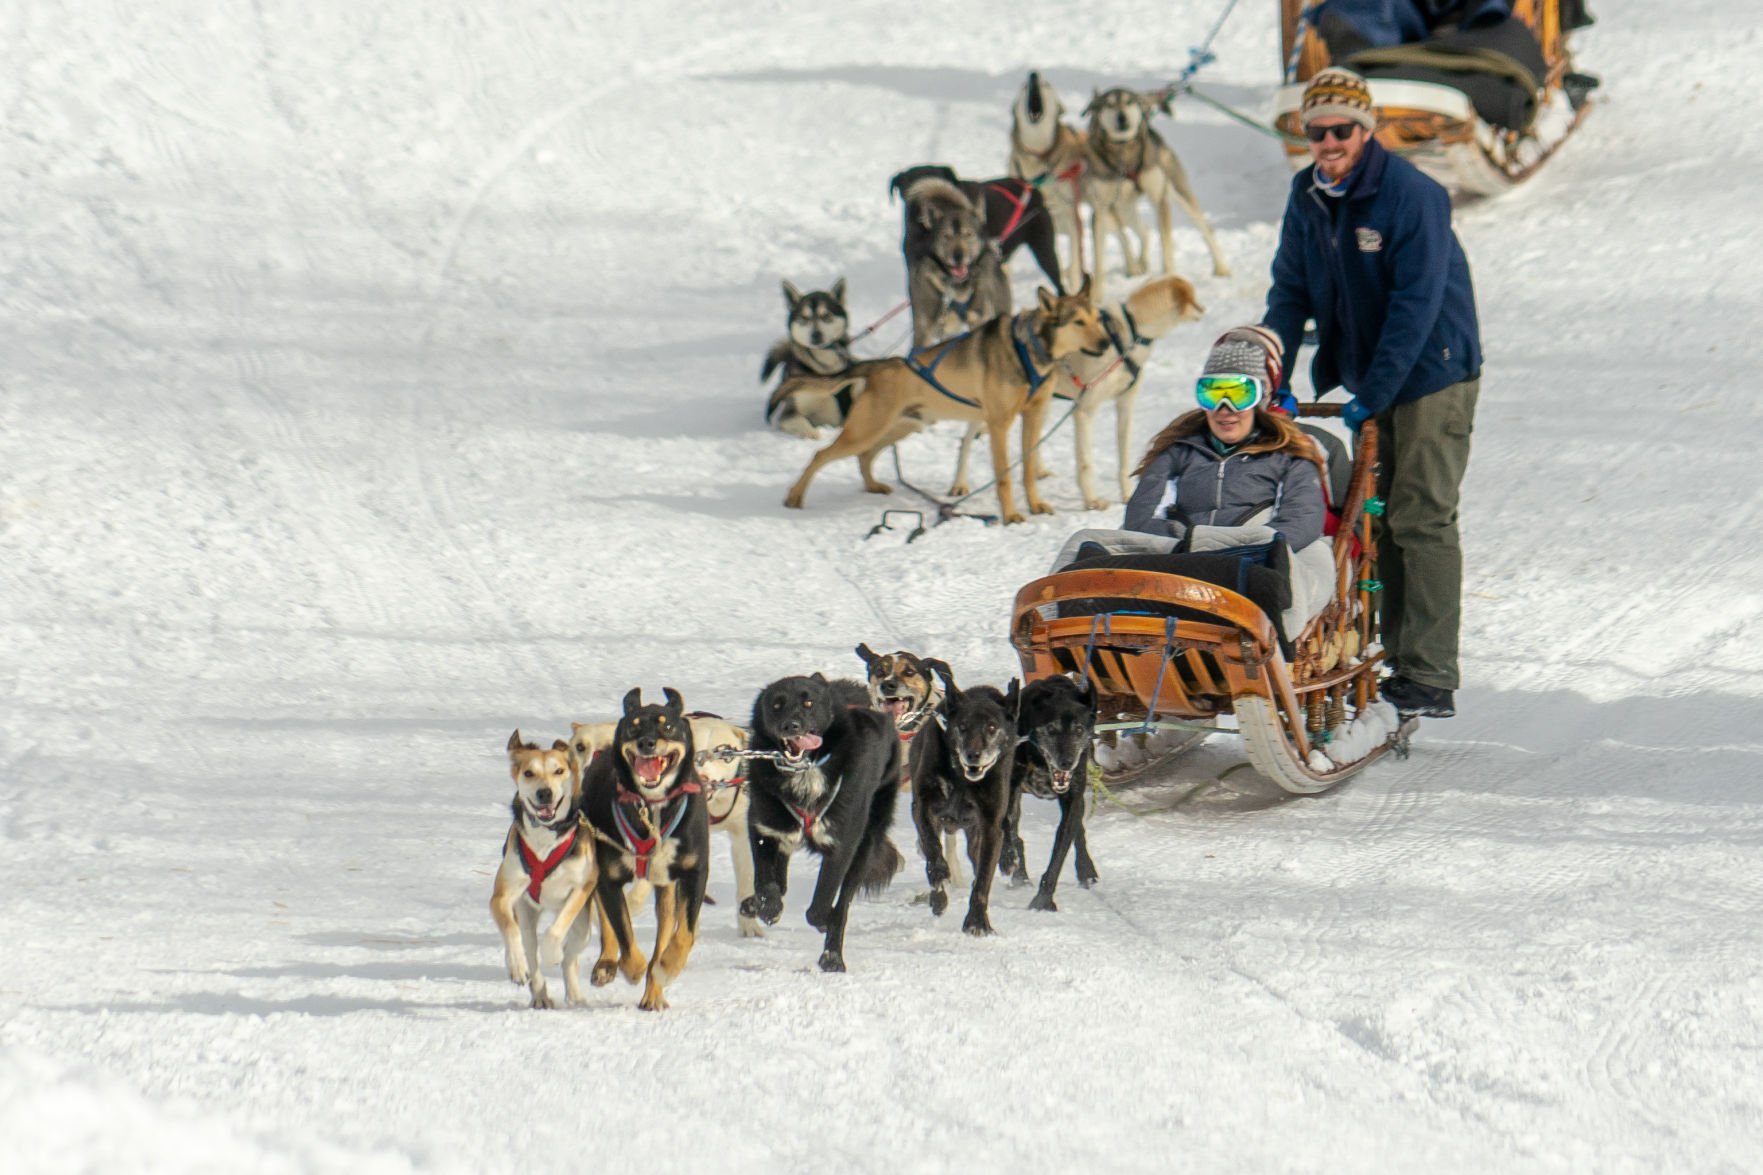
{"x": 1355, "y": 414}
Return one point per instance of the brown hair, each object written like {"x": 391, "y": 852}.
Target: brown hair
{"x": 1278, "y": 434}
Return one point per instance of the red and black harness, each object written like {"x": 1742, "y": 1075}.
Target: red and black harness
{"x": 539, "y": 868}
{"x": 643, "y": 847}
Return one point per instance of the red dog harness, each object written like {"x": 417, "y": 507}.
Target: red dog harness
{"x": 642, "y": 848}
{"x": 1018, "y": 196}
{"x": 737, "y": 782}
{"x": 538, "y": 869}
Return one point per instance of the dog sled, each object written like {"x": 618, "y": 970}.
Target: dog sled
{"x": 1479, "y": 108}
{"x": 1170, "y": 656}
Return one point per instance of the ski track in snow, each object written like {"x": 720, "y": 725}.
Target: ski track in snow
{"x": 382, "y": 379}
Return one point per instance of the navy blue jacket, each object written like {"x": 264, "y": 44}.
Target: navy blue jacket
{"x": 1385, "y": 278}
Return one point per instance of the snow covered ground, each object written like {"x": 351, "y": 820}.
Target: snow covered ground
{"x": 381, "y": 377}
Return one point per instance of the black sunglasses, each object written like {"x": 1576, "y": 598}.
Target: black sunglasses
{"x": 1342, "y": 131}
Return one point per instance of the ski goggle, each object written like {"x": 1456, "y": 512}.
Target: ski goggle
{"x": 1241, "y": 392}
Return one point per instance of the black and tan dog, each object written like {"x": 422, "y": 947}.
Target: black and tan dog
{"x": 961, "y": 768}
{"x": 954, "y": 274}
{"x": 643, "y": 801}
{"x": 902, "y": 686}
{"x": 825, "y": 779}
{"x": 547, "y": 864}
{"x": 992, "y": 377}
{"x": 1057, "y": 722}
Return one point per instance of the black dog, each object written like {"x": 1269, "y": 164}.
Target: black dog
{"x": 1015, "y": 214}
{"x": 830, "y": 788}
{"x": 961, "y": 768}
{"x": 646, "y": 809}
{"x": 1052, "y": 762}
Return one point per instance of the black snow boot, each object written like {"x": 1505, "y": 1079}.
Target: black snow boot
{"x": 1411, "y": 699}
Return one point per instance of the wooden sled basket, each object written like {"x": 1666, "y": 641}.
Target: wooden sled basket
{"x": 1436, "y": 125}
{"x": 1162, "y": 680}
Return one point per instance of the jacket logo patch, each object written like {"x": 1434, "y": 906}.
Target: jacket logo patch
{"x": 1370, "y": 240}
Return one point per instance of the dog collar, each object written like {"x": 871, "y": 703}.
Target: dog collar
{"x": 538, "y": 869}
{"x": 626, "y": 796}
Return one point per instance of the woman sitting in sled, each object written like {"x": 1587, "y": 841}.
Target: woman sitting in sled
{"x": 1230, "y": 492}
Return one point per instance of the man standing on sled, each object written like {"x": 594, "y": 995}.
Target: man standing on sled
{"x": 1367, "y": 250}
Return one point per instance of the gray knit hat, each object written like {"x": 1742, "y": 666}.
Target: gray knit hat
{"x": 1339, "y": 93}
{"x": 1246, "y": 350}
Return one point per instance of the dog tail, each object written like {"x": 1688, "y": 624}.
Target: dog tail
{"x": 879, "y": 865}
{"x": 775, "y": 358}
{"x": 842, "y": 389}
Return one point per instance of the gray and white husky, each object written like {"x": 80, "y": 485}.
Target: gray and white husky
{"x": 818, "y": 343}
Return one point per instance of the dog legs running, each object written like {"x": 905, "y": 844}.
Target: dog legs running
{"x": 1071, "y": 816}
{"x": 741, "y": 849}
{"x": 619, "y": 953}
{"x": 527, "y": 915}
{"x": 865, "y": 433}
{"x": 676, "y": 924}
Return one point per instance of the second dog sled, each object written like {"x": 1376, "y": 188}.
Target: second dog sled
{"x": 1480, "y": 109}
{"x": 1170, "y": 656}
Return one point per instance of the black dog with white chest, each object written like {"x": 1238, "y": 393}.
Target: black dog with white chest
{"x": 961, "y": 768}
{"x": 1057, "y": 722}
{"x": 826, "y": 778}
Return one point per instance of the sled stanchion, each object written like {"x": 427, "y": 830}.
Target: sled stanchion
{"x": 917, "y": 528}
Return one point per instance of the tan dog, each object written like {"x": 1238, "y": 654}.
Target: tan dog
{"x": 902, "y": 686}
{"x": 547, "y": 864}
{"x": 725, "y": 796}
{"x": 1125, "y": 159}
{"x": 1050, "y": 154}
{"x": 991, "y": 377}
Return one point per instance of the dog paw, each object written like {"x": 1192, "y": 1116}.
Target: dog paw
{"x": 542, "y": 999}
{"x": 977, "y": 924}
{"x": 793, "y": 500}
{"x": 832, "y": 962}
{"x": 1014, "y": 516}
{"x": 1018, "y": 879}
{"x": 819, "y": 917}
{"x": 1088, "y": 881}
{"x": 653, "y": 1001}
{"x": 634, "y": 967}
{"x": 603, "y": 972}
{"x": 877, "y": 487}
{"x": 1040, "y": 508}
{"x": 770, "y": 907}
{"x": 1097, "y": 503}
{"x": 1221, "y": 270}
{"x": 960, "y": 490}
{"x": 939, "y": 902}
{"x": 1044, "y": 901}
{"x": 750, "y": 928}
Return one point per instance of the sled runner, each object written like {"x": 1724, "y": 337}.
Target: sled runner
{"x": 1169, "y": 655}
{"x": 1477, "y": 108}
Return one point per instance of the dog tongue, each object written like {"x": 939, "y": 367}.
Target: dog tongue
{"x": 959, "y": 272}
{"x": 648, "y": 769}
{"x": 805, "y": 742}
{"x": 897, "y": 706}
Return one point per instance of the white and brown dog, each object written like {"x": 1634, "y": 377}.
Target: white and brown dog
{"x": 547, "y": 864}
{"x": 1124, "y": 159}
{"x": 1049, "y": 153}
{"x": 723, "y": 775}
{"x": 902, "y": 686}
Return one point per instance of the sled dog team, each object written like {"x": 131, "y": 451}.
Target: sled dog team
{"x": 973, "y": 360}
{"x": 624, "y": 810}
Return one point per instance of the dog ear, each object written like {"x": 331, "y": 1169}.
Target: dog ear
{"x": 869, "y": 655}
{"x": 514, "y": 743}
{"x": 559, "y": 745}
{"x": 792, "y": 296}
{"x": 1048, "y": 299}
{"x": 942, "y": 670}
{"x": 633, "y": 700}
{"x": 1083, "y": 291}
{"x": 1094, "y": 103}
{"x": 838, "y": 291}
{"x": 1013, "y": 697}
{"x": 674, "y": 702}
{"x": 817, "y": 676}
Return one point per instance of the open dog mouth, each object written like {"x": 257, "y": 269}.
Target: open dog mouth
{"x": 958, "y": 271}
{"x": 1061, "y": 781}
{"x": 543, "y": 813}
{"x": 650, "y": 770}
{"x": 978, "y": 771}
{"x": 897, "y": 708}
{"x": 796, "y": 748}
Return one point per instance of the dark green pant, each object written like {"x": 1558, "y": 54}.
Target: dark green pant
{"x": 1423, "y": 450}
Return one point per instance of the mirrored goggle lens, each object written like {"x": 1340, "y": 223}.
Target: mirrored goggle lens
{"x": 1241, "y": 392}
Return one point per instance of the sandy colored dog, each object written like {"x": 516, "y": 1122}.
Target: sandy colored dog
{"x": 1124, "y": 159}
{"x": 991, "y": 377}
{"x": 725, "y": 796}
{"x": 547, "y": 864}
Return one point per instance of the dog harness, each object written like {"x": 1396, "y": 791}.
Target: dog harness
{"x": 928, "y": 372}
{"x": 1027, "y": 344}
{"x": 1112, "y": 326}
{"x": 1017, "y": 192}
{"x": 808, "y": 815}
{"x": 642, "y": 848}
{"x": 737, "y": 783}
{"x": 538, "y": 869}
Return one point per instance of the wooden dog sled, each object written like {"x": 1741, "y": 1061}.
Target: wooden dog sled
{"x": 1163, "y": 680}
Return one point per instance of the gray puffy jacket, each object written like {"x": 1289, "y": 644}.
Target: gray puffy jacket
{"x": 1234, "y": 500}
